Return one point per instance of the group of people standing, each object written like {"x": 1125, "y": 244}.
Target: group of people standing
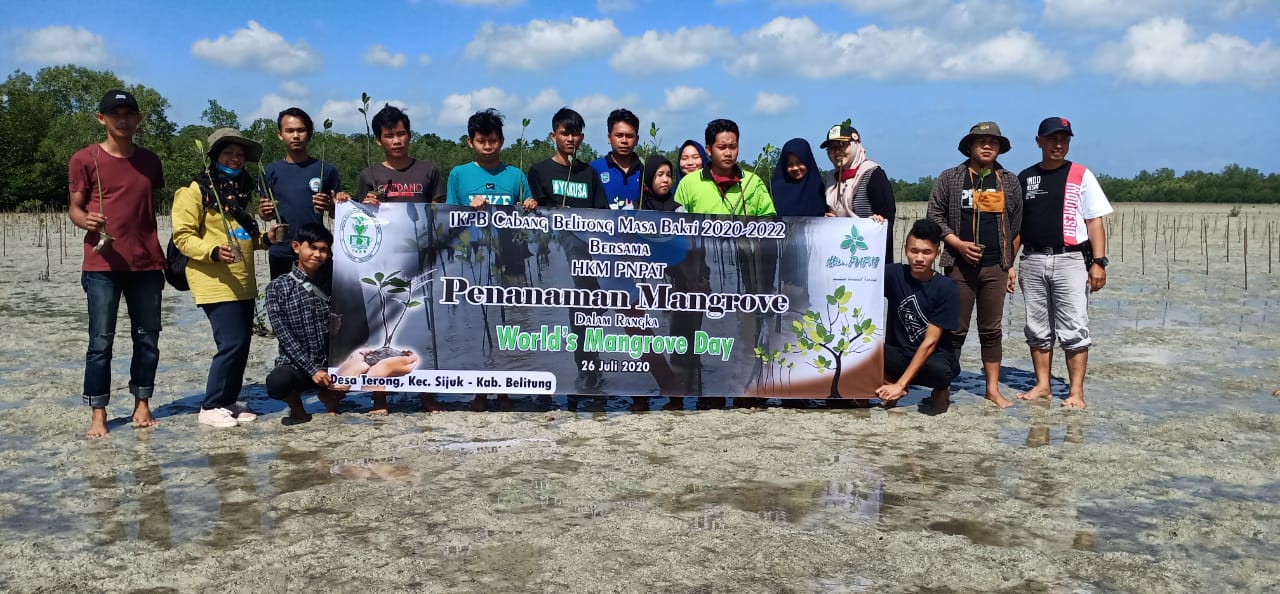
{"x": 980, "y": 216}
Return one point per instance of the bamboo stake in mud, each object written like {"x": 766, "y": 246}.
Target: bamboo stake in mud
{"x": 1204, "y": 243}
{"x": 1122, "y": 237}
{"x": 1269, "y": 247}
{"x": 1168, "y": 272}
{"x": 1245, "y": 232}
{"x": 1142, "y": 249}
{"x": 1226, "y": 240}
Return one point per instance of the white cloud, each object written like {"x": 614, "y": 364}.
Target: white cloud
{"x": 1165, "y": 50}
{"x": 271, "y": 106}
{"x": 541, "y": 44}
{"x": 1111, "y": 14}
{"x": 546, "y": 99}
{"x": 456, "y": 108}
{"x": 293, "y": 88}
{"x": 60, "y": 44}
{"x": 347, "y": 119}
{"x": 683, "y": 49}
{"x": 378, "y": 55}
{"x": 772, "y": 103}
{"x": 258, "y": 48}
{"x": 682, "y": 98}
{"x": 424, "y": 60}
{"x": 595, "y": 108}
{"x": 788, "y": 46}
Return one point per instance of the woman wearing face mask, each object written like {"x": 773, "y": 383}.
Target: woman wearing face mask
{"x": 213, "y": 227}
{"x": 859, "y": 186}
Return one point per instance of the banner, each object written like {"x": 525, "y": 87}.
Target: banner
{"x": 440, "y": 298}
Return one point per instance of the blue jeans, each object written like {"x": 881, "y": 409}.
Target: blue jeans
{"x": 141, "y": 292}
{"x": 232, "y": 323}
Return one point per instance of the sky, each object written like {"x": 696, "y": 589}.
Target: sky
{"x": 1183, "y": 84}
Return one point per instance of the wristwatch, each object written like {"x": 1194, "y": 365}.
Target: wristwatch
{"x": 1103, "y": 262}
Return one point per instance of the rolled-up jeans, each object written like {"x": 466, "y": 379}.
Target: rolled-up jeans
{"x": 141, "y": 291}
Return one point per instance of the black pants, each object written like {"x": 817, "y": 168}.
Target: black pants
{"x": 286, "y": 380}
{"x": 939, "y": 369}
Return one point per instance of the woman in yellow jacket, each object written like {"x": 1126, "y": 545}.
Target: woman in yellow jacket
{"x": 218, "y": 234}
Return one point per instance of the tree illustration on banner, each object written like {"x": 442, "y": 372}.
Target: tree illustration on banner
{"x": 389, "y": 287}
{"x": 823, "y": 339}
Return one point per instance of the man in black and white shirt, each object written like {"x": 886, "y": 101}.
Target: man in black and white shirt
{"x": 1064, "y": 245}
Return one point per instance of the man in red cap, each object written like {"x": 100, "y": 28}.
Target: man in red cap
{"x": 1064, "y": 244}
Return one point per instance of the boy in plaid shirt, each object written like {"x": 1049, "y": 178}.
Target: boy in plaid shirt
{"x": 299, "y": 312}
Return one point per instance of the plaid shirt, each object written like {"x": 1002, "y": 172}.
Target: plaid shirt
{"x": 944, "y": 209}
{"x": 299, "y": 314}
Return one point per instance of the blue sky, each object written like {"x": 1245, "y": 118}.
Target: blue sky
{"x": 1186, "y": 84}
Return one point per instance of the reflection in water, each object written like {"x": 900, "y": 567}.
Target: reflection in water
{"x": 118, "y": 520}
{"x": 239, "y": 515}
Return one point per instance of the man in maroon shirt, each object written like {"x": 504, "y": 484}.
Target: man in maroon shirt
{"x": 112, "y": 184}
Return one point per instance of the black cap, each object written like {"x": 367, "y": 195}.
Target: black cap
{"x": 841, "y": 133}
{"x": 117, "y": 98}
{"x": 1055, "y": 124}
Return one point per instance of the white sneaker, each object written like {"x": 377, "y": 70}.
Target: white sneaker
{"x": 241, "y": 415}
{"x": 217, "y": 417}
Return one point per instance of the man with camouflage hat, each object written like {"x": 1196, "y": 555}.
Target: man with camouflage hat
{"x": 978, "y": 204}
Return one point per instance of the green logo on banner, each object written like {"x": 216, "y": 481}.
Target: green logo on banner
{"x": 360, "y": 236}
{"x": 853, "y": 241}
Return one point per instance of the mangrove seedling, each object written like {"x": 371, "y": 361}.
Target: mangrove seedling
{"x": 104, "y": 239}
{"x": 368, "y": 132}
{"x": 390, "y": 289}
{"x": 328, "y": 125}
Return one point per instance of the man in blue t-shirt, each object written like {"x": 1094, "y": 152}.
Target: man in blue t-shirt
{"x": 922, "y": 304}
{"x": 487, "y": 180}
{"x": 620, "y": 171}
{"x": 304, "y": 188}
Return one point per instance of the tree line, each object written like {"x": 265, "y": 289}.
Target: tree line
{"x": 46, "y": 118}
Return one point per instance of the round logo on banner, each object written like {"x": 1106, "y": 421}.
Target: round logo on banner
{"x": 360, "y": 236}
{"x": 314, "y": 184}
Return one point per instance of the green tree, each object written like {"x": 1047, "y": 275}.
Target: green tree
{"x": 218, "y": 116}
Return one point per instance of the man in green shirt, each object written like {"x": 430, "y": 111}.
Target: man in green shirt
{"x": 723, "y": 187}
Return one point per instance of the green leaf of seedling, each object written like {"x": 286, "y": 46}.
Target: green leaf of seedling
{"x": 378, "y": 276}
{"x": 397, "y": 290}
{"x": 844, "y": 299}
{"x": 847, "y": 122}
{"x": 368, "y": 281}
{"x": 328, "y": 124}
{"x": 364, "y": 97}
{"x": 796, "y": 327}
{"x": 840, "y": 290}
{"x": 831, "y": 300}
{"x": 842, "y": 309}
{"x": 200, "y": 145}
{"x": 414, "y": 303}
{"x": 857, "y": 312}
{"x": 866, "y": 339}
{"x": 759, "y": 351}
{"x": 525, "y": 122}
{"x": 397, "y": 282}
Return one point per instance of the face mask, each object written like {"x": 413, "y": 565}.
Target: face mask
{"x": 227, "y": 170}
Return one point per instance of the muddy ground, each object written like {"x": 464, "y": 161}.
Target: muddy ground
{"x": 1169, "y": 482}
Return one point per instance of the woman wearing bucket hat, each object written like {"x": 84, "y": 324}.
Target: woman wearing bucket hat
{"x": 859, "y": 186}
{"x": 213, "y": 226}
{"x": 978, "y": 203}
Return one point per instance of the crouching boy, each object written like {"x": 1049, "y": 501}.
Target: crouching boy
{"x": 922, "y": 304}
{"x": 299, "y": 312}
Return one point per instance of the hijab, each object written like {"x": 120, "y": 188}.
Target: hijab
{"x": 802, "y": 197}
{"x": 649, "y": 200}
{"x": 860, "y": 170}
{"x": 677, "y": 174}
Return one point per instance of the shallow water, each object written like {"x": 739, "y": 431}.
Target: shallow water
{"x": 1168, "y": 483}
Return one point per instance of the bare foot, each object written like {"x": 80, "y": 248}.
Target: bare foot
{"x": 330, "y": 399}
{"x": 940, "y": 399}
{"x": 379, "y": 404}
{"x": 1074, "y": 401}
{"x": 428, "y": 402}
{"x": 142, "y": 418}
{"x": 98, "y": 423}
{"x": 998, "y": 399}
{"x": 1038, "y": 392}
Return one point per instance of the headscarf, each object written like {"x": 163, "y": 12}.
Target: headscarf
{"x": 860, "y": 168}
{"x": 802, "y": 197}
{"x": 676, "y": 173}
{"x": 649, "y": 200}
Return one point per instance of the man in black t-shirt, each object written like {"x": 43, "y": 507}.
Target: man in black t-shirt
{"x": 564, "y": 181}
{"x": 922, "y": 311}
